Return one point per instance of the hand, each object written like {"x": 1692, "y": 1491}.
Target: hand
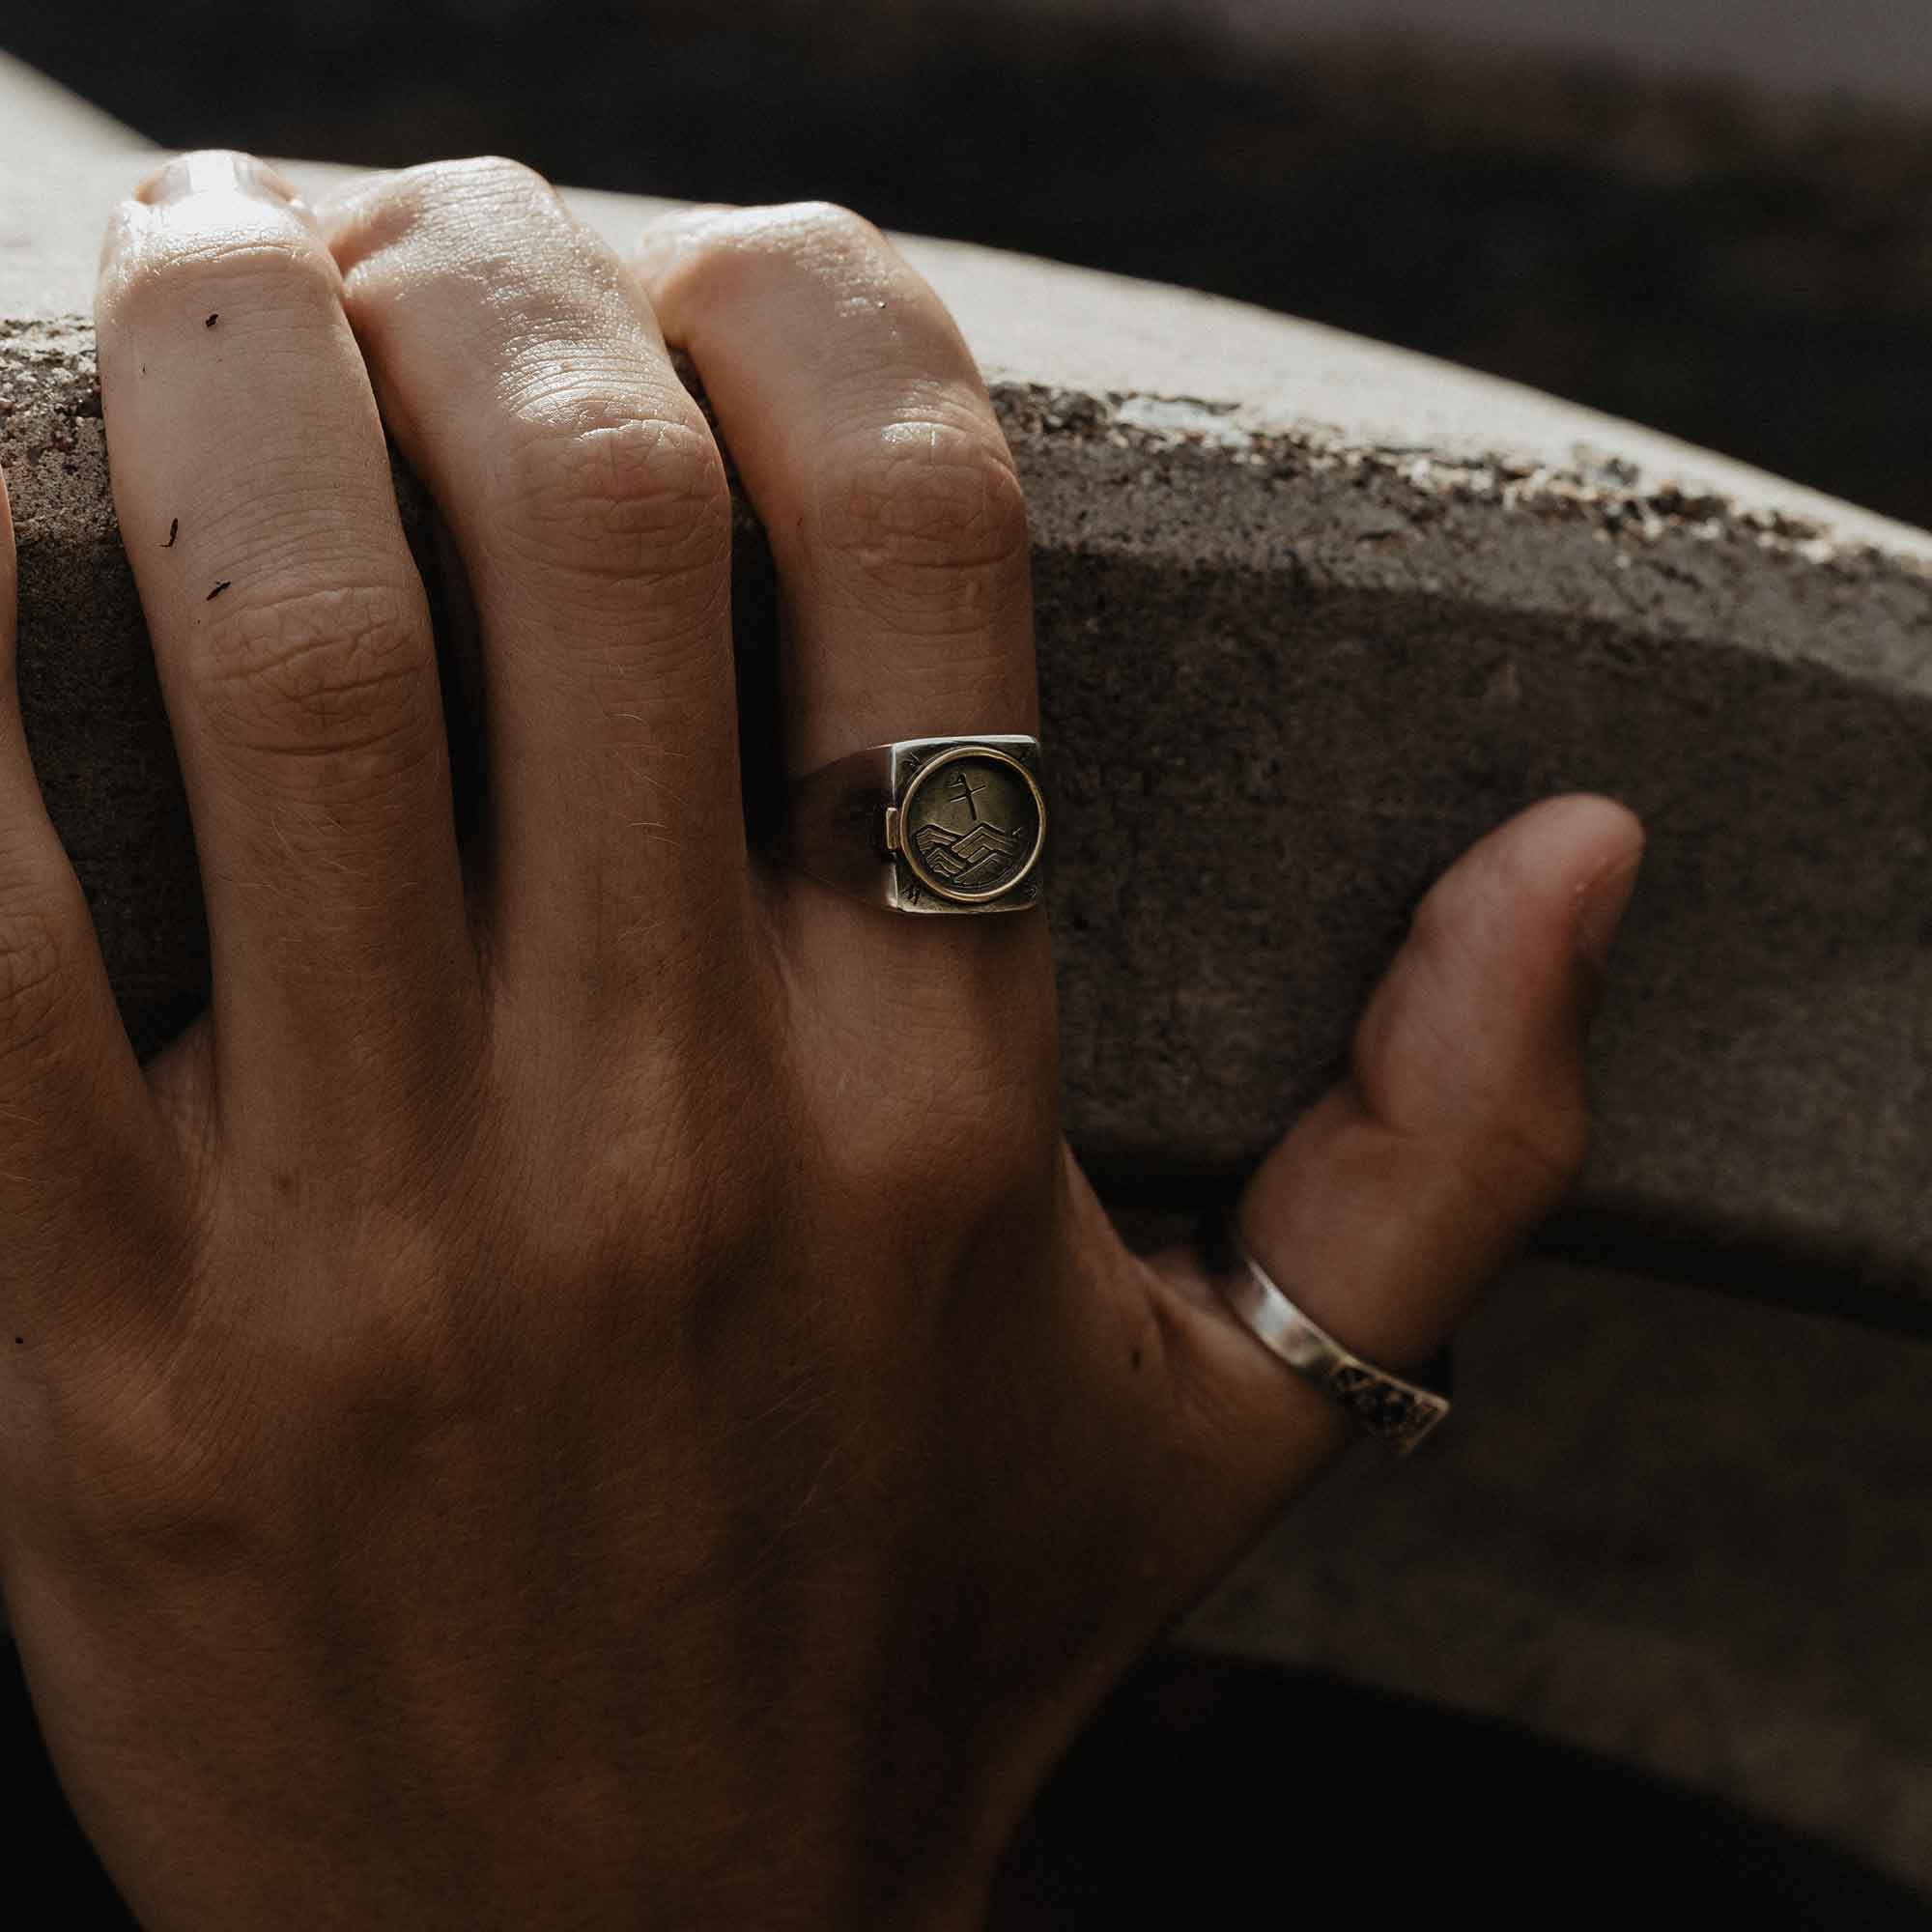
{"x": 587, "y": 1389}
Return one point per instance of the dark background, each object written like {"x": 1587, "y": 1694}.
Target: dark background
{"x": 1219, "y": 1797}
{"x": 1751, "y": 275}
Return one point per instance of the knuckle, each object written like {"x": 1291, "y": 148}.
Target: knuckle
{"x": 446, "y": 231}
{"x": 155, "y": 1464}
{"x": 741, "y": 260}
{"x": 200, "y": 1434}
{"x": 477, "y": 183}
{"x": 738, "y": 251}
{"x": 338, "y": 671}
{"x": 411, "y": 1338}
{"x": 606, "y": 496}
{"x": 815, "y": 237}
{"x": 827, "y": 222}
{"x": 925, "y": 521}
{"x": 492, "y": 178}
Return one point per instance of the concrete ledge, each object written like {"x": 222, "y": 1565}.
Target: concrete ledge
{"x": 1314, "y": 614}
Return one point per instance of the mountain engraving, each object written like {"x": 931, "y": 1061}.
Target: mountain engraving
{"x": 971, "y": 861}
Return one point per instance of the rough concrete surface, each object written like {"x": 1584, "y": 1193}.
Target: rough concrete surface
{"x": 1312, "y": 617}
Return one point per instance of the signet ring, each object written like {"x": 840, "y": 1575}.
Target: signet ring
{"x": 924, "y": 825}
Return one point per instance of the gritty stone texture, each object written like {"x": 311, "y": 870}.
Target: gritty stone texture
{"x": 1289, "y": 672}
{"x": 1313, "y": 616}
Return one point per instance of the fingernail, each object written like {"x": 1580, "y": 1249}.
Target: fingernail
{"x": 1603, "y": 899}
{"x": 215, "y": 171}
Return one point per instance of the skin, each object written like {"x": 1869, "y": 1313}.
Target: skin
{"x": 587, "y": 1389}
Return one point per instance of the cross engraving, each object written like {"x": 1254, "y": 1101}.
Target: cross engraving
{"x": 967, "y": 791}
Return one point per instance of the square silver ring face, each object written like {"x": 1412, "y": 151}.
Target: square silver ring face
{"x": 924, "y": 825}
{"x": 966, "y": 827}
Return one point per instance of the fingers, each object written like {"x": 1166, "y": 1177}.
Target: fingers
{"x": 1463, "y": 1123}
{"x": 292, "y": 642}
{"x": 76, "y": 1125}
{"x": 864, "y": 438}
{"x": 526, "y": 381}
{"x": 864, "y": 435}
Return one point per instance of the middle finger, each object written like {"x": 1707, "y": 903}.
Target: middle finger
{"x": 525, "y": 378}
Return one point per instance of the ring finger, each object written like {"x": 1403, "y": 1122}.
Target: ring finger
{"x": 865, "y": 435}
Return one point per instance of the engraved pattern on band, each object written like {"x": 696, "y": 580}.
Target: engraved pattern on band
{"x": 1398, "y": 1412}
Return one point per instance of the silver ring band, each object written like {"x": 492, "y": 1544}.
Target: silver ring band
{"x": 924, "y": 825}
{"x": 1400, "y": 1414}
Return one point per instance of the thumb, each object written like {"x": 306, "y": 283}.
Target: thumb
{"x": 1462, "y": 1122}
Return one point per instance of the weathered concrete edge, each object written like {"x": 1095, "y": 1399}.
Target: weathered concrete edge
{"x": 1257, "y": 373}
{"x": 1085, "y": 332}
{"x": 43, "y": 116}
{"x": 1835, "y": 1226}
{"x": 1671, "y": 526}
{"x": 1188, "y": 365}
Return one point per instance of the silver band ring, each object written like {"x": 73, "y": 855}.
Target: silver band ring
{"x": 1401, "y": 1413}
{"x": 924, "y": 825}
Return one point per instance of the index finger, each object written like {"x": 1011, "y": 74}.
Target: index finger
{"x": 292, "y": 637}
